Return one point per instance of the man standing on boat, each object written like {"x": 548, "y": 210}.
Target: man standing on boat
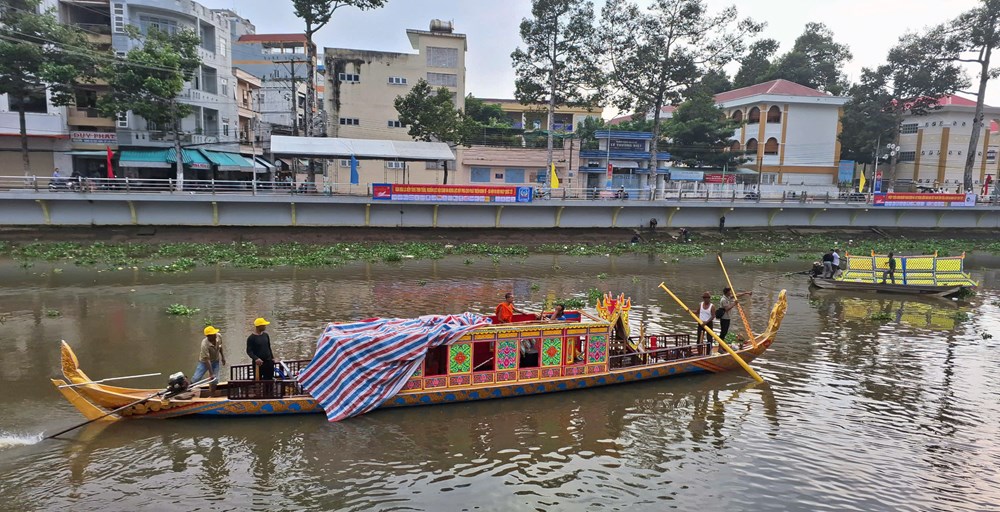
{"x": 891, "y": 271}
{"x": 210, "y": 358}
{"x": 706, "y": 313}
{"x": 505, "y": 310}
{"x": 835, "y": 263}
{"x": 828, "y": 265}
{"x": 727, "y": 303}
{"x": 259, "y": 350}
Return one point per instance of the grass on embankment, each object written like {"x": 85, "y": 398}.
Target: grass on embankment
{"x": 179, "y": 257}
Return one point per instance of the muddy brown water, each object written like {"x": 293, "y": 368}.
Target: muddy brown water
{"x": 855, "y": 414}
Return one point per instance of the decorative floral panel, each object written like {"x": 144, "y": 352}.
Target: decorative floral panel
{"x": 482, "y": 378}
{"x": 597, "y": 348}
{"x": 413, "y": 384}
{"x": 506, "y": 354}
{"x": 460, "y": 358}
{"x": 506, "y": 376}
{"x": 551, "y": 351}
{"x": 596, "y": 368}
{"x": 528, "y": 374}
{"x": 574, "y": 370}
{"x": 550, "y": 372}
{"x": 435, "y": 382}
{"x": 459, "y": 380}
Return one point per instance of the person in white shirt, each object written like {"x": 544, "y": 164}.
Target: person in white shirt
{"x": 836, "y": 263}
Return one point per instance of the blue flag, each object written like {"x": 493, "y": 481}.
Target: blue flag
{"x": 354, "y": 171}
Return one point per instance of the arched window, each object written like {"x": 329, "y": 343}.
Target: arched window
{"x": 753, "y": 116}
{"x": 752, "y": 146}
{"x": 771, "y": 146}
{"x": 735, "y": 146}
{"x": 774, "y": 114}
{"x": 737, "y": 116}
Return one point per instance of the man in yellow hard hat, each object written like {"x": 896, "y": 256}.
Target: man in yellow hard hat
{"x": 210, "y": 358}
{"x": 259, "y": 350}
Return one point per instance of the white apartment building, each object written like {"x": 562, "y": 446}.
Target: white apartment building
{"x": 361, "y": 89}
{"x": 790, "y": 131}
{"x": 934, "y": 147}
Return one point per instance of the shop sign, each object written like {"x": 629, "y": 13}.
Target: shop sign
{"x": 107, "y": 138}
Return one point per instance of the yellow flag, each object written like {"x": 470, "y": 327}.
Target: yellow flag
{"x": 555, "y": 179}
{"x": 861, "y": 182}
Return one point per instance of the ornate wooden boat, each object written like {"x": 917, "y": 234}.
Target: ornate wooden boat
{"x": 584, "y": 351}
{"x": 928, "y": 274}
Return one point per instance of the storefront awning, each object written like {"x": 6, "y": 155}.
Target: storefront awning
{"x": 192, "y": 159}
{"x": 228, "y": 161}
{"x": 157, "y": 158}
{"x": 89, "y": 154}
{"x": 262, "y": 165}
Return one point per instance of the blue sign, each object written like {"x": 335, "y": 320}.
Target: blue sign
{"x": 525, "y": 194}
{"x": 846, "y": 172}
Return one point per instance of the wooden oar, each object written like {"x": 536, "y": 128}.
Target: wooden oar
{"x": 739, "y": 307}
{"x": 122, "y": 408}
{"x": 109, "y": 380}
{"x": 709, "y": 330}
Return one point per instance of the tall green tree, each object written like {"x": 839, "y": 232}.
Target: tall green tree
{"x": 972, "y": 38}
{"x": 912, "y": 83}
{"x": 714, "y": 81}
{"x": 815, "y": 60}
{"x": 755, "y": 65}
{"x": 38, "y": 54}
{"x": 655, "y": 55}
{"x": 866, "y": 121}
{"x": 556, "y": 66}
{"x": 316, "y": 14}
{"x": 431, "y": 116}
{"x": 701, "y": 134}
{"x": 485, "y": 114}
{"x": 148, "y": 80}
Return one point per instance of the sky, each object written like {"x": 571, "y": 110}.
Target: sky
{"x": 868, "y": 27}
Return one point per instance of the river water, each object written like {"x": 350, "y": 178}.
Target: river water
{"x": 855, "y": 414}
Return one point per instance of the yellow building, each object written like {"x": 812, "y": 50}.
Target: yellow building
{"x": 361, "y": 87}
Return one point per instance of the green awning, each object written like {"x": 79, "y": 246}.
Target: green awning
{"x": 144, "y": 158}
{"x": 100, "y": 153}
{"x": 228, "y": 161}
{"x": 194, "y": 159}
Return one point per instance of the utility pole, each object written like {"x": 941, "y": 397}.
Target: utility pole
{"x": 295, "y": 93}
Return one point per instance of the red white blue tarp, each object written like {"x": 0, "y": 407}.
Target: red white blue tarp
{"x": 360, "y": 365}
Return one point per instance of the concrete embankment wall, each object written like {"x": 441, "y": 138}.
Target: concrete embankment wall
{"x": 179, "y": 209}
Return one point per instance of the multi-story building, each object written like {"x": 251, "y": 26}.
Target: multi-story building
{"x": 533, "y": 117}
{"x": 933, "y": 147}
{"x": 279, "y": 60}
{"x": 362, "y": 86}
{"x": 789, "y": 131}
{"x": 247, "y": 101}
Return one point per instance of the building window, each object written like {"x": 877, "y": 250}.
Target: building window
{"x": 771, "y": 146}
{"x": 907, "y": 156}
{"x": 224, "y": 87}
{"x": 146, "y": 23}
{"x": 118, "y": 18}
{"x": 395, "y": 165}
{"x": 123, "y": 120}
{"x": 395, "y": 124}
{"x": 735, "y": 146}
{"x": 908, "y": 128}
{"x": 442, "y": 79}
{"x": 774, "y": 114}
{"x": 991, "y": 155}
{"x": 225, "y": 127}
{"x": 737, "y": 116}
{"x": 350, "y": 121}
{"x": 752, "y": 146}
{"x": 397, "y": 80}
{"x": 480, "y": 175}
{"x": 433, "y": 166}
{"x": 346, "y": 163}
{"x": 513, "y": 176}
{"x": 754, "y": 116}
{"x": 442, "y": 57}
{"x": 35, "y": 102}
{"x": 350, "y": 78}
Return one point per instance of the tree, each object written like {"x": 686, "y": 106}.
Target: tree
{"x": 866, "y": 121}
{"x": 431, "y": 116}
{"x": 556, "y": 66}
{"x": 586, "y": 131}
{"x": 316, "y": 14}
{"x": 150, "y": 78}
{"x": 755, "y": 66}
{"x": 701, "y": 134}
{"x": 972, "y": 38}
{"x": 656, "y": 54}
{"x": 485, "y": 114}
{"x": 38, "y": 54}
{"x": 714, "y": 81}
{"x": 816, "y": 61}
{"x": 911, "y": 82}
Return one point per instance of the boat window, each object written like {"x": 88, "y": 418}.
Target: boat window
{"x": 482, "y": 356}
{"x": 575, "y": 350}
{"x": 436, "y": 362}
{"x": 528, "y": 353}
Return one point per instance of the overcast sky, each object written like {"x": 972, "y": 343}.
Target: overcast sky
{"x": 868, "y": 27}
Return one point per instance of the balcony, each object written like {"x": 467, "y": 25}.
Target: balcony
{"x": 88, "y": 117}
{"x": 97, "y": 34}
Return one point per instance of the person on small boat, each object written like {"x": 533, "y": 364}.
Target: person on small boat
{"x": 706, "y": 313}
{"x": 835, "y": 264}
{"x": 505, "y": 310}
{"x": 828, "y": 265}
{"x": 727, "y": 303}
{"x": 210, "y": 358}
{"x": 891, "y": 271}
{"x": 259, "y": 350}
{"x": 557, "y": 315}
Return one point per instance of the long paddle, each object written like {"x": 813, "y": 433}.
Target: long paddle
{"x": 739, "y": 307}
{"x": 109, "y": 379}
{"x": 122, "y": 408}
{"x": 709, "y": 330}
